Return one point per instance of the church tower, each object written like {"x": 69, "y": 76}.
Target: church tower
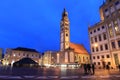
{"x": 64, "y": 31}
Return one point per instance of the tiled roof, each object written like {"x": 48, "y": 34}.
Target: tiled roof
{"x": 24, "y": 49}
{"x": 78, "y": 48}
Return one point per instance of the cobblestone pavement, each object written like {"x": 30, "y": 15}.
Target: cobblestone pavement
{"x": 56, "y": 74}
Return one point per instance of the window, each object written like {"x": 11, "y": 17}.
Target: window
{"x": 103, "y": 27}
{"x": 110, "y": 0}
{"x": 116, "y": 3}
{"x": 98, "y": 29}
{"x": 93, "y": 57}
{"x": 106, "y": 10}
{"x": 102, "y": 56}
{"x": 99, "y": 37}
{"x": 97, "y": 49}
{"x": 83, "y": 59}
{"x": 106, "y": 47}
{"x": 66, "y": 34}
{"x": 94, "y": 63}
{"x": 90, "y": 32}
{"x": 108, "y": 56}
{"x": 109, "y": 63}
{"x": 95, "y": 39}
{"x": 101, "y": 47}
{"x": 91, "y": 39}
{"x": 98, "y": 57}
{"x": 104, "y": 36}
{"x": 94, "y": 31}
{"x": 107, "y": 16}
{"x": 93, "y": 49}
{"x": 98, "y": 63}
{"x": 119, "y": 43}
{"x": 113, "y": 44}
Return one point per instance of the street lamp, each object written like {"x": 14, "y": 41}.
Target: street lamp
{"x": 95, "y": 45}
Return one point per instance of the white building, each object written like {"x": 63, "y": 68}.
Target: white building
{"x": 13, "y": 55}
{"x": 105, "y": 35}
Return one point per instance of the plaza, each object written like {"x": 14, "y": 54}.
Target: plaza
{"x": 8, "y": 73}
{"x": 73, "y": 60}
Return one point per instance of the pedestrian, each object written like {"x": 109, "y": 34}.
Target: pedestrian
{"x": 119, "y": 67}
{"x": 89, "y": 68}
{"x": 93, "y": 69}
{"x": 85, "y": 69}
{"x": 108, "y": 67}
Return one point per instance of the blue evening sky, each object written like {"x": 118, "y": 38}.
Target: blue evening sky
{"x": 36, "y": 23}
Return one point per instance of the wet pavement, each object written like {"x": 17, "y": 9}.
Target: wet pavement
{"x": 8, "y": 73}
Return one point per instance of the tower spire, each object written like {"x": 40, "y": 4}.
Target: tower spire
{"x": 65, "y": 32}
{"x": 64, "y": 13}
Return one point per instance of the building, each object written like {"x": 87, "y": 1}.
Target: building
{"x": 49, "y": 58}
{"x": 105, "y": 35}
{"x": 13, "y": 55}
{"x": 1, "y": 53}
{"x": 70, "y": 53}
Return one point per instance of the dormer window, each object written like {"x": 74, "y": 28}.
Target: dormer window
{"x": 110, "y": 0}
{"x": 106, "y": 10}
{"x": 94, "y": 31}
{"x": 116, "y": 3}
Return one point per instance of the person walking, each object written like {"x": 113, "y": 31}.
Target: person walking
{"x": 89, "y": 68}
{"x": 108, "y": 67}
{"x": 85, "y": 69}
{"x": 119, "y": 67}
{"x": 93, "y": 69}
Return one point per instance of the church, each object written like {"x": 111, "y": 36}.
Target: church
{"x": 70, "y": 53}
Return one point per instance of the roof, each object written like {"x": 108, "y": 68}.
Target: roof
{"x": 25, "y": 49}
{"x": 78, "y": 48}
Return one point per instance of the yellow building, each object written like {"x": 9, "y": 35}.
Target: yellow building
{"x": 49, "y": 58}
{"x": 13, "y": 55}
{"x": 81, "y": 54}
